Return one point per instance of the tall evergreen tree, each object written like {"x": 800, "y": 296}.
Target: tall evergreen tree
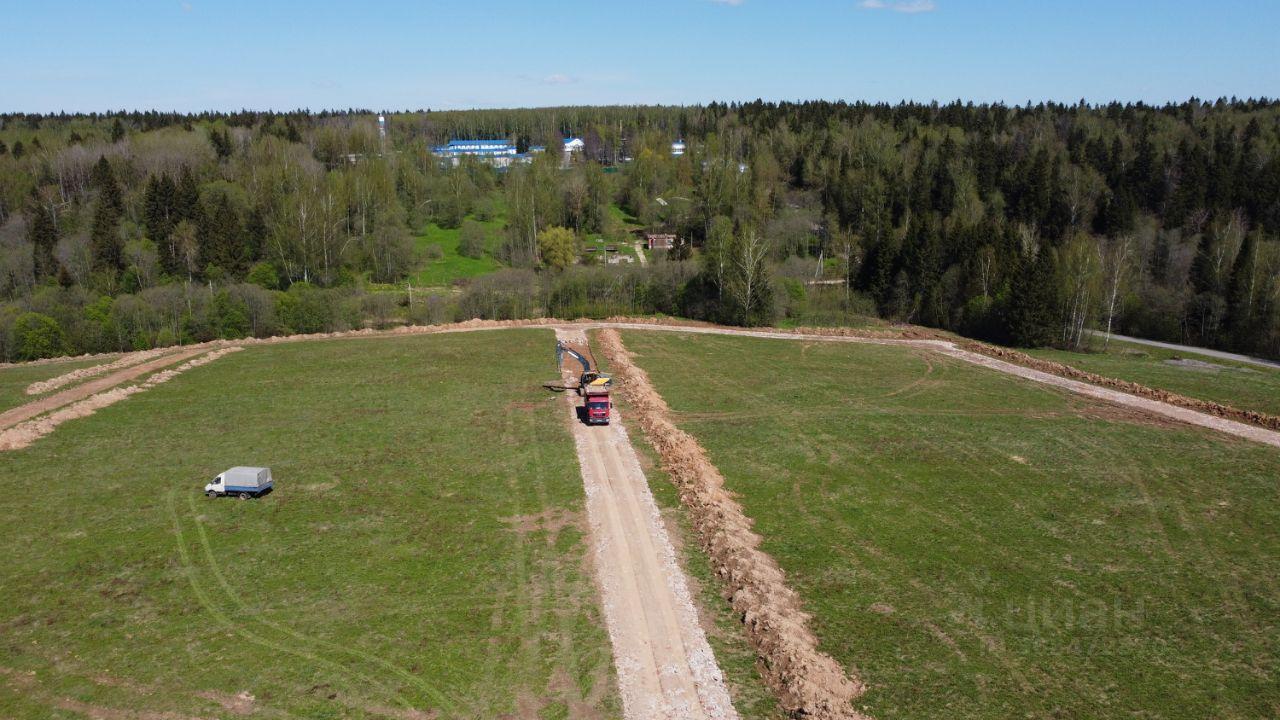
{"x": 103, "y": 179}
{"x": 104, "y": 231}
{"x": 223, "y": 240}
{"x": 220, "y": 138}
{"x": 159, "y": 216}
{"x": 43, "y": 234}
{"x": 1030, "y": 320}
{"x": 1203, "y": 279}
{"x": 255, "y": 236}
{"x": 104, "y": 238}
{"x": 1243, "y": 291}
{"x": 186, "y": 197}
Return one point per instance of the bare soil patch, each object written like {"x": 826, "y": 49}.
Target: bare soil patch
{"x": 241, "y": 703}
{"x": 551, "y": 521}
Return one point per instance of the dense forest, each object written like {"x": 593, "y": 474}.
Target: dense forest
{"x": 1027, "y": 225}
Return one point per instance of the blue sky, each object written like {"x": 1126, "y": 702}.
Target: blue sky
{"x": 395, "y": 54}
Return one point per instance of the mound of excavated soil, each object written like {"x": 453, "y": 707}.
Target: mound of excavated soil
{"x": 1270, "y": 422}
{"x": 808, "y": 683}
{"x": 25, "y": 433}
{"x": 75, "y": 376}
{"x": 905, "y": 332}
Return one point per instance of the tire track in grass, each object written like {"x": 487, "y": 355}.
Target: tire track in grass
{"x": 208, "y": 602}
{"x": 518, "y": 590}
{"x": 941, "y": 592}
{"x": 232, "y": 595}
{"x": 561, "y": 587}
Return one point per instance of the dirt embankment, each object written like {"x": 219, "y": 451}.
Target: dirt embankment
{"x": 25, "y": 433}
{"x": 895, "y": 332}
{"x": 665, "y": 667}
{"x": 911, "y": 332}
{"x": 1271, "y": 422}
{"x": 75, "y": 376}
{"x": 808, "y": 683}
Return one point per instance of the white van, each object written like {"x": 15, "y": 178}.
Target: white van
{"x": 243, "y": 482}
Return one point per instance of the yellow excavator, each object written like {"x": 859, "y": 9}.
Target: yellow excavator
{"x": 589, "y": 380}
{"x": 592, "y": 385}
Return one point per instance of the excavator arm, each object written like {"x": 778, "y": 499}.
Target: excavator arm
{"x": 561, "y": 349}
{"x": 588, "y": 376}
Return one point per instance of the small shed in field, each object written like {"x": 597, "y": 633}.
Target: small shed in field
{"x": 659, "y": 241}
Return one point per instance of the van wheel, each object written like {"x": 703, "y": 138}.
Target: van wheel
{"x": 244, "y": 496}
{"x": 211, "y": 493}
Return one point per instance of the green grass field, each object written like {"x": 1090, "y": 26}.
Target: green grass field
{"x": 625, "y": 220}
{"x": 14, "y": 380}
{"x": 451, "y": 266}
{"x": 978, "y": 546}
{"x": 1240, "y": 385}
{"x": 423, "y": 549}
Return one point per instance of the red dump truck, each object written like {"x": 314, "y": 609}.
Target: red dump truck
{"x": 592, "y": 385}
{"x": 595, "y": 402}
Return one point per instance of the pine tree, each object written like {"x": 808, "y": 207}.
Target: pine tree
{"x": 186, "y": 197}
{"x": 104, "y": 238}
{"x": 43, "y": 234}
{"x": 224, "y": 238}
{"x": 1242, "y": 292}
{"x": 158, "y": 216}
{"x": 103, "y": 179}
{"x": 117, "y": 131}
{"x": 220, "y": 138}
{"x": 1030, "y": 315}
{"x": 254, "y": 236}
{"x": 1203, "y": 279}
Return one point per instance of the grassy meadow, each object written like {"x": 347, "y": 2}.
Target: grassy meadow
{"x": 451, "y": 265}
{"x": 1240, "y": 385}
{"x": 973, "y": 545}
{"x": 423, "y": 551}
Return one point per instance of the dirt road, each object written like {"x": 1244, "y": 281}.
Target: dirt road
{"x": 665, "y": 667}
{"x": 12, "y": 417}
{"x": 1191, "y": 349}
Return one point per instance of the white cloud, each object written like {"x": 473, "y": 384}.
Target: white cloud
{"x": 186, "y": 7}
{"x": 558, "y": 79}
{"x": 909, "y": 7}
{"x": 733, "y": 3}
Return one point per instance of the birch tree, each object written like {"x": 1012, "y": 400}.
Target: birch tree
{"x": 1115, "y": 255}
{"x": 749, "y": 286}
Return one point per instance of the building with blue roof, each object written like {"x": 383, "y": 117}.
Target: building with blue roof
{"x": 496, "y": 151}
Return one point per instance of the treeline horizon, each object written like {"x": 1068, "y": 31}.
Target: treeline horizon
{"x": 1019, "y": 224}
